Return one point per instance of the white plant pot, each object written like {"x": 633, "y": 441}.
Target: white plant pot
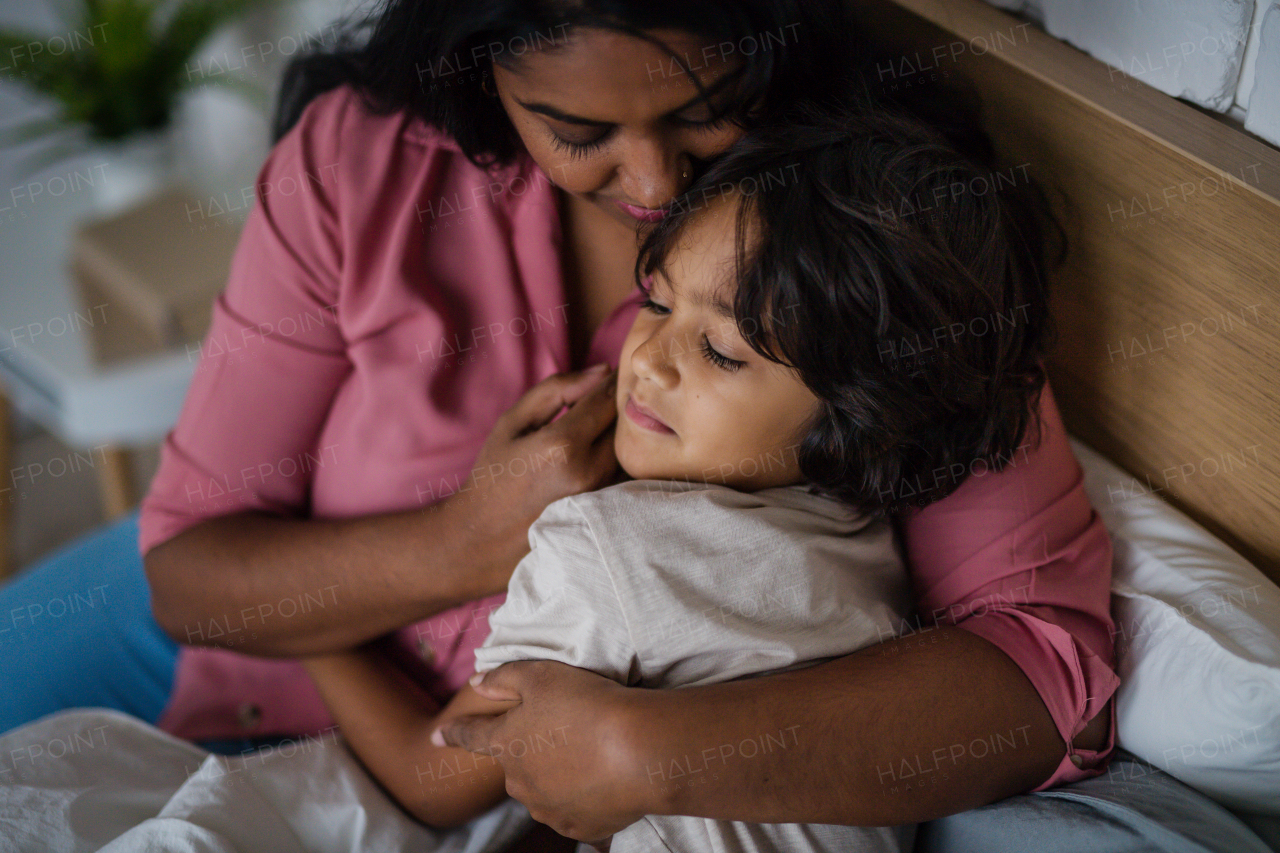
{"x": 128, "y": 171}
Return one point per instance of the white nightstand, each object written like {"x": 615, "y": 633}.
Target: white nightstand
{"x": 47, "y": 367}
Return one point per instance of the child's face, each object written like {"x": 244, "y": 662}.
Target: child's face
{"x": 695, "y": 402}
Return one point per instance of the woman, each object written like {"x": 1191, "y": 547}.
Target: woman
{"x": 391, "y": 311}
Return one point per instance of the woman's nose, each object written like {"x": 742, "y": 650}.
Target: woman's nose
{"x": 652, "y": 360}
{"x": 653, "y": 172}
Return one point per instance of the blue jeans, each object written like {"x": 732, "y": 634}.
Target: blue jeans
{"x": 76, "y": 630}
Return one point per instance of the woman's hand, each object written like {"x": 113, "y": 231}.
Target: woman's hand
{"x": 533, "y": 458}
{"x": 584, "y": 785}
{"x": 777, "y": 748}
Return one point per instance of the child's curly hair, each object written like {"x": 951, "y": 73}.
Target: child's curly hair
{"x": 902, "y": 279}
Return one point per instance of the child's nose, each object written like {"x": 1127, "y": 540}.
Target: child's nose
{"x": 653, "y": 360}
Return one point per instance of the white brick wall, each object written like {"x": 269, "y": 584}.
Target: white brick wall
{"x": 1263, "y": 117}
{"x": 1220, "y": 54}
{"x": 1033, "y": 9}
{"x": 1250, "y": 57}
{"x": 1190, "y": 49}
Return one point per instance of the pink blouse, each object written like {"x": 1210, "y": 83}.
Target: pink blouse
{"x": 387, "y": 302}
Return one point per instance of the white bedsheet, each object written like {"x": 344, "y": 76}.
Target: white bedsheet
{"x": 98, "y": 780}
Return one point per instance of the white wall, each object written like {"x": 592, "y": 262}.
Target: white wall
{"x": 1223, "y": 55}
{"x": 224, "y": 118}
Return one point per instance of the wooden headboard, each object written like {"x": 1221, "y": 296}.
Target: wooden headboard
{"x": 1168, "y": 354}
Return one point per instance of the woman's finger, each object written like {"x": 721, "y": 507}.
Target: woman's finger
{"x": 541, "y": 402}
{"x": 504, "y": 684}
{"x": 472, "y": 732}
{"x": 592, "y": 413}
{"x": 604, "y": 457}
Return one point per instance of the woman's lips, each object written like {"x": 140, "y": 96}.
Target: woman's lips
{"x": 642, "y": 417}
{"x": 644, "y": 214}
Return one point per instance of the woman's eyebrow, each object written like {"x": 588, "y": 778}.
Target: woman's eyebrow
{"x": 551, "y": 112}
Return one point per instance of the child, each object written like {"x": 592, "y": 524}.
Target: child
{"x": 807, "y": 361}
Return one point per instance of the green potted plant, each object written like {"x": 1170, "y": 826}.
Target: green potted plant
{"x": 115, "y": 78}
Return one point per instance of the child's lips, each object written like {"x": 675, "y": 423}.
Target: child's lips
{"x": 644, "y": 417}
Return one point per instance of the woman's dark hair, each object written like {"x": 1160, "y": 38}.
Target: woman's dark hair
{"x": 430, "y": 57}
{"x": 904, "y": 281}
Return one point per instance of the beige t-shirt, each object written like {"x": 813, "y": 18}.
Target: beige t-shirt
{"x": 666, "y": 584}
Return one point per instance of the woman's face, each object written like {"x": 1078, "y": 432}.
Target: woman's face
{"x": 695, "y": 402}
{"x": 614, "y": 121}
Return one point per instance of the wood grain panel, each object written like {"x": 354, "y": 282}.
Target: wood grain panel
{"x": 1168, "y": 306}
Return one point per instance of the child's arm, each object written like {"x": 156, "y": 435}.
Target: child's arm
{"x": 389, "y": 727}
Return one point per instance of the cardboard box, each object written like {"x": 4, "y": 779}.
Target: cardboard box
{"x": 156, "y": 270}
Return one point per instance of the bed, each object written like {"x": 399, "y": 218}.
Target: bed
{"x": 1167, "y": 366}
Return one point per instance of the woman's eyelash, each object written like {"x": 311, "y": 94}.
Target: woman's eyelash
{"x": 717, "y": 359}
{"x": 649, "y": 305}
{"x": 578, "y": 149}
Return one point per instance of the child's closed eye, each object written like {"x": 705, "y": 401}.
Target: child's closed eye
{"x": 649, "y": 305}
{"x": 719, "y": 359}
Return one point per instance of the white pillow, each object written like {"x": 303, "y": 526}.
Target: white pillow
{"x": 1198, "y": 643}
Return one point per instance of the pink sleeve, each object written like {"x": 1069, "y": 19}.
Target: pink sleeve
{"x": 1021, "y": 559}
{"x": 274, "y": 355}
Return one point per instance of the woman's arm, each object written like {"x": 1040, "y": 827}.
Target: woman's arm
{"x": 387, "y": 721}
{"x": 369, "y": 575}
{"x": 915, "y": 728}
{"x": 377, "y": 574}
{"x": 910, "y": 730}
{"x": 1021, "y": 559}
